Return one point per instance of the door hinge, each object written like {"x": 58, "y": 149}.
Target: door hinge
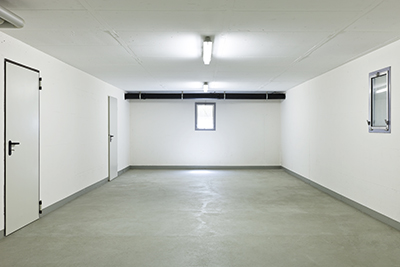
{"x": 40, "y": 83}
{"x": 40, "y": 207}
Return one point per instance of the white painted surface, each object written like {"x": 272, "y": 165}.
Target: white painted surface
{"x": 156, "y": 45}
{"x": 325, "y": 135}
{"x": 113, "y": 137}
{"x": 74, "y": 126}
{"x": 247, "y": 134}
{"x": 22, "y": 166}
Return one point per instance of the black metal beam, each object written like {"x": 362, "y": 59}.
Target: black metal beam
{"x": 160, "y": 96}
{"x": 277, "y": 96}
{"x": 132, "y": 96}
{"x": 203, "y": 96}
{"x": 229, "y": 96}
{"x": 240, "y": 96}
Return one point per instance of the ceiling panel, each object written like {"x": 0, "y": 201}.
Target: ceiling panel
{"x": 245, "y": 64}
{"x": 179, "y": 46}
{"x": 171, "y": 5}
{"x": 157, "y": 65}
{"x": 290, "y": 21}
{"x": 93, "y": 55}
{"x": 170, "y": 76}
{"x": 133, "y": 71}
{"x": 385, "y": 17}
{"x": 261, "y": 75}
{"x": 318, "y": 64}
{"x": 140, "y": 45}
{"x": 303, "y": 5}
{"x": 65, "y": 37}
{"x": 143, "y": 38}
{"x": 131, "y": 77}
{"x": 188, "y": 21}
{"x": 349, "y": 44}
{"x": 234, "y": 85}
{"x": 57, "y": 19}
{"x": 42, "y": 4}
{"x": 266, "y": 44}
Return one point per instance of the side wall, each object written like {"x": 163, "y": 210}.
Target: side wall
{"x": 247, "y": 134}
{"x": 325, "y": 135}
{"x": 74, "y": 125}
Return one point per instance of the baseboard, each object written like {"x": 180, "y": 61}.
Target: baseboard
{"x": 124, "y": 170}
{"x": 374, "y": 214}
{"x": 66, "y": 200}
{"x": 193, "y": 167}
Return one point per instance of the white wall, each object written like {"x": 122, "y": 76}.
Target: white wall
{"x": 247, "y": 134}
{"x": 74, "y": 112}
{"x": 325, "y": 135}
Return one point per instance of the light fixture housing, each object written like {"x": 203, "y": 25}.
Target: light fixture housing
{"x": 205, "y": 87}
{"x": 10, "y": 20}
{"x": 207, "y": 50}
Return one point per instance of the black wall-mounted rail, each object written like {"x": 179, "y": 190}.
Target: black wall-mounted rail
{"x": 230, "y": 96}
{"x": 203, "y": 96}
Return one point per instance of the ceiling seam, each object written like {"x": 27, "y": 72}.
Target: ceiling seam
{"x": 330, "y": 37}
{"x": 108, "y": 29}
{"x": 324, "y": 41}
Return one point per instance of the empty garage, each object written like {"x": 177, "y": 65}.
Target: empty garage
{"x": 211, "y": 133}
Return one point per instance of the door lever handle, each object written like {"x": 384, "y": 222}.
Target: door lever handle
{"x": 111, "y": 137}
{"x": 11, "y": 145}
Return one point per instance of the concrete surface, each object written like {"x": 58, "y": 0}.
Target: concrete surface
{"x": 204, "y": 218}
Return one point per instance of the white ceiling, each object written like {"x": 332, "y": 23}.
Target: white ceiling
{"x": 155, "y": 45}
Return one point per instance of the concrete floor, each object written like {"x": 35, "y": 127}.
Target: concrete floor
{"x": 204, "y": 218}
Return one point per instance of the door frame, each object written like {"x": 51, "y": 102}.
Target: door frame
{"x": 6, "y": 60}
{"x": 111, "y": 135}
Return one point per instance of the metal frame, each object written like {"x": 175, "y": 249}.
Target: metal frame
{"x": 214, "y": 116}
{"x": 5, "y": 135}
{"x": 371, "y": 127}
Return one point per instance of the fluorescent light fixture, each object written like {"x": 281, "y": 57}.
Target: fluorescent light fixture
{"x": 207, "y": 50}
{"x": 205, "y": 87}
{"x": 9, "y": 19}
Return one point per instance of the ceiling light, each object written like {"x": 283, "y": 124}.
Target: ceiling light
{"x": 9, "y": 19}
{"x": 205, "y": 87}
{"x": 207, "y": 50}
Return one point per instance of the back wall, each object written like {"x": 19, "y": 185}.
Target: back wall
{"x": 163, "y": 134}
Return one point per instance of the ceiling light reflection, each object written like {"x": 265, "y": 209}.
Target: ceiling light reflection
{"x": 200, "y": 172}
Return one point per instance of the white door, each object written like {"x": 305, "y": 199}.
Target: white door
{"x": 112, "y": 138}
{"x": 21, "y": 146}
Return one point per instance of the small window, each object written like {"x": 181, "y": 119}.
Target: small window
{"x": 205, "y": 116}
{"x": 379, "y": 101}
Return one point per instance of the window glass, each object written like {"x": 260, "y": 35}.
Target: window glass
{"x": 205, "y": 116}
{"x": 379, "y": 103}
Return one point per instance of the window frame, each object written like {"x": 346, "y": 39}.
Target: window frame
{"x": 214, "y": 116}
{"x": 371, "y": 127}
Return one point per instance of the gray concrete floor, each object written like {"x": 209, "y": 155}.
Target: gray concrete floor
{"x": 204, "y": 218}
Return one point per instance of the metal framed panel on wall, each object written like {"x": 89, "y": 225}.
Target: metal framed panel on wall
{"x": 379, "y": 107}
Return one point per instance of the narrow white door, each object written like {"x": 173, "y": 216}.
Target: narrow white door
{"x": 21, "y": 146}
{"x": 112, "y": 138}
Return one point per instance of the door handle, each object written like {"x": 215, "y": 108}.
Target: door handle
{"x": 111, "y": 137}
{"x": 11, "y": 145}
